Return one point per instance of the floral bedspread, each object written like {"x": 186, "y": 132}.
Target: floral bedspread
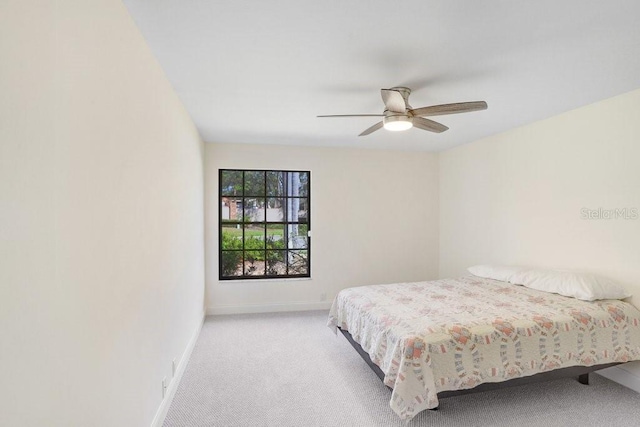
{"x": 454, "y": 334}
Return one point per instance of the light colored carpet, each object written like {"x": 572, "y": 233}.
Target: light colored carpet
{"x": 288, "y": 369}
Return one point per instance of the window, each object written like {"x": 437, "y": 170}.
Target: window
{"x": 264, "y": 224}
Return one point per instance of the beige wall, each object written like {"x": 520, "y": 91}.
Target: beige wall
{"x": 374, "y": 219}
{"x": 517, "y": 197}
{"x": 101, "y": 223}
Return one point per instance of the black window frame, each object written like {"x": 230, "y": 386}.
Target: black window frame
{"x": 285, "y": 222}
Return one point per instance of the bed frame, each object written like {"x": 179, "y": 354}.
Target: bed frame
{"x": 581, "y": 372}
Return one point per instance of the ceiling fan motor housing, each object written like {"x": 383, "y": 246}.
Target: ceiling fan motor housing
{"x": 399, "y": 120}
{"x": 405, "y": 92}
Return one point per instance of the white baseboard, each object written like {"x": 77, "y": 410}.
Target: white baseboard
{"x": 622, "y": 376}
{"x": 161, "y": 413}
{"x": 268, "y": 308}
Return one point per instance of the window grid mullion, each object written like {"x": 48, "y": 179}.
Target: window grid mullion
{"x": 266, "y": 205}
{"x": 244, "y": 252}
{"x": 285, "y": 233}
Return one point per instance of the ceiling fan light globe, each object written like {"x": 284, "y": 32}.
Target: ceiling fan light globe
{"x": 398, "y": 123}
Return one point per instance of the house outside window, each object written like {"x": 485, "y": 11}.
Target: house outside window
{"x": 264, "y": 224}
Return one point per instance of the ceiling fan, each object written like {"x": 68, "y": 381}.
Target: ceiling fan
{"x": 399, "y": 115}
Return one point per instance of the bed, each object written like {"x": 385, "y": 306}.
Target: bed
{"x": 427, "y": 339}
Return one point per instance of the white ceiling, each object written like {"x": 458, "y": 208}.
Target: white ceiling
{"x": 260, "y": 71}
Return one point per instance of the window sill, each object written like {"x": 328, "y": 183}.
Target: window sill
{"x": 284, "y": 279}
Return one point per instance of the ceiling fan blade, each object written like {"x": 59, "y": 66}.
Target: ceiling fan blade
{"x": 430, "y": 125}
{"x": 371, "y": 129}
{"x": 353, "y": 115}
{"x": 393, "y": 100}
{"x": 444, "y": 109}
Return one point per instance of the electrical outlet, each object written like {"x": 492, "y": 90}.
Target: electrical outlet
{"x": 174, "y": 366}
{"x": 164, "y": 387}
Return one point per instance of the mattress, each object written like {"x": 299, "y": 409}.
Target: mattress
{"x": 454, "y": 334}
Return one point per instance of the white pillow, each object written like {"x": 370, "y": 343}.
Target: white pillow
{"x": 582, "y": 286}
{"x": 504, "y": 273}
{"x": 586, "y": 287}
